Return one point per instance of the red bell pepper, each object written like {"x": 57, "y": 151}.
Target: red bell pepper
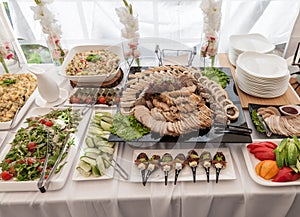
{"x": 286, "y": 174}
{"x": 270, "y": 155}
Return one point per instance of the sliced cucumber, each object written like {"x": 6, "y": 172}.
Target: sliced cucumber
{"x": 106, "y": 149}
{"x": 89, "y": 142}
{"x": 91, "y": 155}
{"x": 95, "y": 171}
{"x": 105, "y": 126}
{"x": 100, "y": 165}
{"x": 83, "y": 173}
{"x": 93, "y": 150}
{"x": 85, "y": 166}
{"x": 88, "y": 160}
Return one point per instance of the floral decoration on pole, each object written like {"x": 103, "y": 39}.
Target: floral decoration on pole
{"x": 51, "y": 29}
{"x": 211, "y": 26}
{"x": 5, "y": 53}
{"x": 130, "y": 31}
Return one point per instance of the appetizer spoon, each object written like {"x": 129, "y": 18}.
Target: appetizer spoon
{"x": 166, "y": 165}
{"x": 141, "y": 162}
{"x": 219, "y": 163}
{"x": 179, "y": 164}
{"x": 152, "y": 166}
{"x": 193, "y": 160}
{"x": 205, "y": 160}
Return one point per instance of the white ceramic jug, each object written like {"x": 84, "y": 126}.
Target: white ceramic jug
{"x": 47, "y": 87}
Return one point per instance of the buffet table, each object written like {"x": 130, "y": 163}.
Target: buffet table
{"x": 117, "y": 197}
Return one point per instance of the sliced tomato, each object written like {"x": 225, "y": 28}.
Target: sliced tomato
{"x": 42, "y": 121}
{"x": 6, "y": 175}
{"x": 8, "y": 160}
{"x": 31, "y": 146}
{"x": 49, "y": 123}
{"x": 30, "y": 160}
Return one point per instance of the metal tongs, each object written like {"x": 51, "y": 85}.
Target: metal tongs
{"x": 42, "y": 184}
{"x": 219, "y": 129}
{"x": 118, "y": 168}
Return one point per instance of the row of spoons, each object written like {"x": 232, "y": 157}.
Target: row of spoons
{"x": 166, "y": 163}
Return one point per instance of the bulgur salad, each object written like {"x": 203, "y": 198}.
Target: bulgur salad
{"x": 93, "y": 62}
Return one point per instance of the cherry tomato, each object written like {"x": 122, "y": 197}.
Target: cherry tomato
{"x": 31, "y": 146}
{"x": 42, "y": 121}
{"x": 88, "y": 100}
{"x": 49, "y": 123}
{"x": 6, "y": 176}
{"x": 117, "y": 100}
{"x": 101, "y": 100}
{"x": 75, "y": 100}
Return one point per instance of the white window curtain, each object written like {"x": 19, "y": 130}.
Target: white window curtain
{"x": 95, "y": 21}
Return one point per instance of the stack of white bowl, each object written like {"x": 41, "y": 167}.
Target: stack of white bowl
{"x": 262, "y": 75}
{"x": 248, "y": 42}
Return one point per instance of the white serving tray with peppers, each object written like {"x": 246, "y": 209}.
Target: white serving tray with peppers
{"x": 251, "y": 163}
{"x": 186, "y": 174}
{"x": 58, "y": 180}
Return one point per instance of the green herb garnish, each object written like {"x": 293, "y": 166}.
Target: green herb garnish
{"x": 8, "y": 82}
{"x": 216, "y": 75}
{"x": 93, "y": 58}
{"x": 258, "y": 125}
{"x": 128, "y": 127}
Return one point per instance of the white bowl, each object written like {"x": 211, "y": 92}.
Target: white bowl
{"x": 91, "y": 78}
{"x": 290, "y": 110}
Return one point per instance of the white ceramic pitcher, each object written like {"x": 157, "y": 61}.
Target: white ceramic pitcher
{"x": 47, "y": 87}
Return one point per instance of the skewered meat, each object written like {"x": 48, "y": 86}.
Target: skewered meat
{"x": 193, "y": 161}
{"x": 219, "y": 163}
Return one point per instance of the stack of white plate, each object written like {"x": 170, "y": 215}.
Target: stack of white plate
{"x": 249, "y": 42}
{"x": 262, "y": 75}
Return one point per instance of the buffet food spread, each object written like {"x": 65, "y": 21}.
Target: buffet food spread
{"x": 174, "y": 102}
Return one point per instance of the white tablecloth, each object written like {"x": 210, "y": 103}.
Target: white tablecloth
{"x": 118, "y": 198}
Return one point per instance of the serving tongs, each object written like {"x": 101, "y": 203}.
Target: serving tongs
{"x": 42, "y": 183}
{"x": 119, "y": 169}
{"x": 220, "y": 129}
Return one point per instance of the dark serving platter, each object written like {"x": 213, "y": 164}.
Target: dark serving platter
{"x": 201, "y": 136}
{"x": 254, "y": 107}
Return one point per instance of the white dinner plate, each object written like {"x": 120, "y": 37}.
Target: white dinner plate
{"x": 251, "y": 162}
{"x": 186, "y": 174}
{"x": 58, "y": 180}
{"x": 265, "y": 66}
{"x": 91, "y": 78}
{"x": 251, "y": 42}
